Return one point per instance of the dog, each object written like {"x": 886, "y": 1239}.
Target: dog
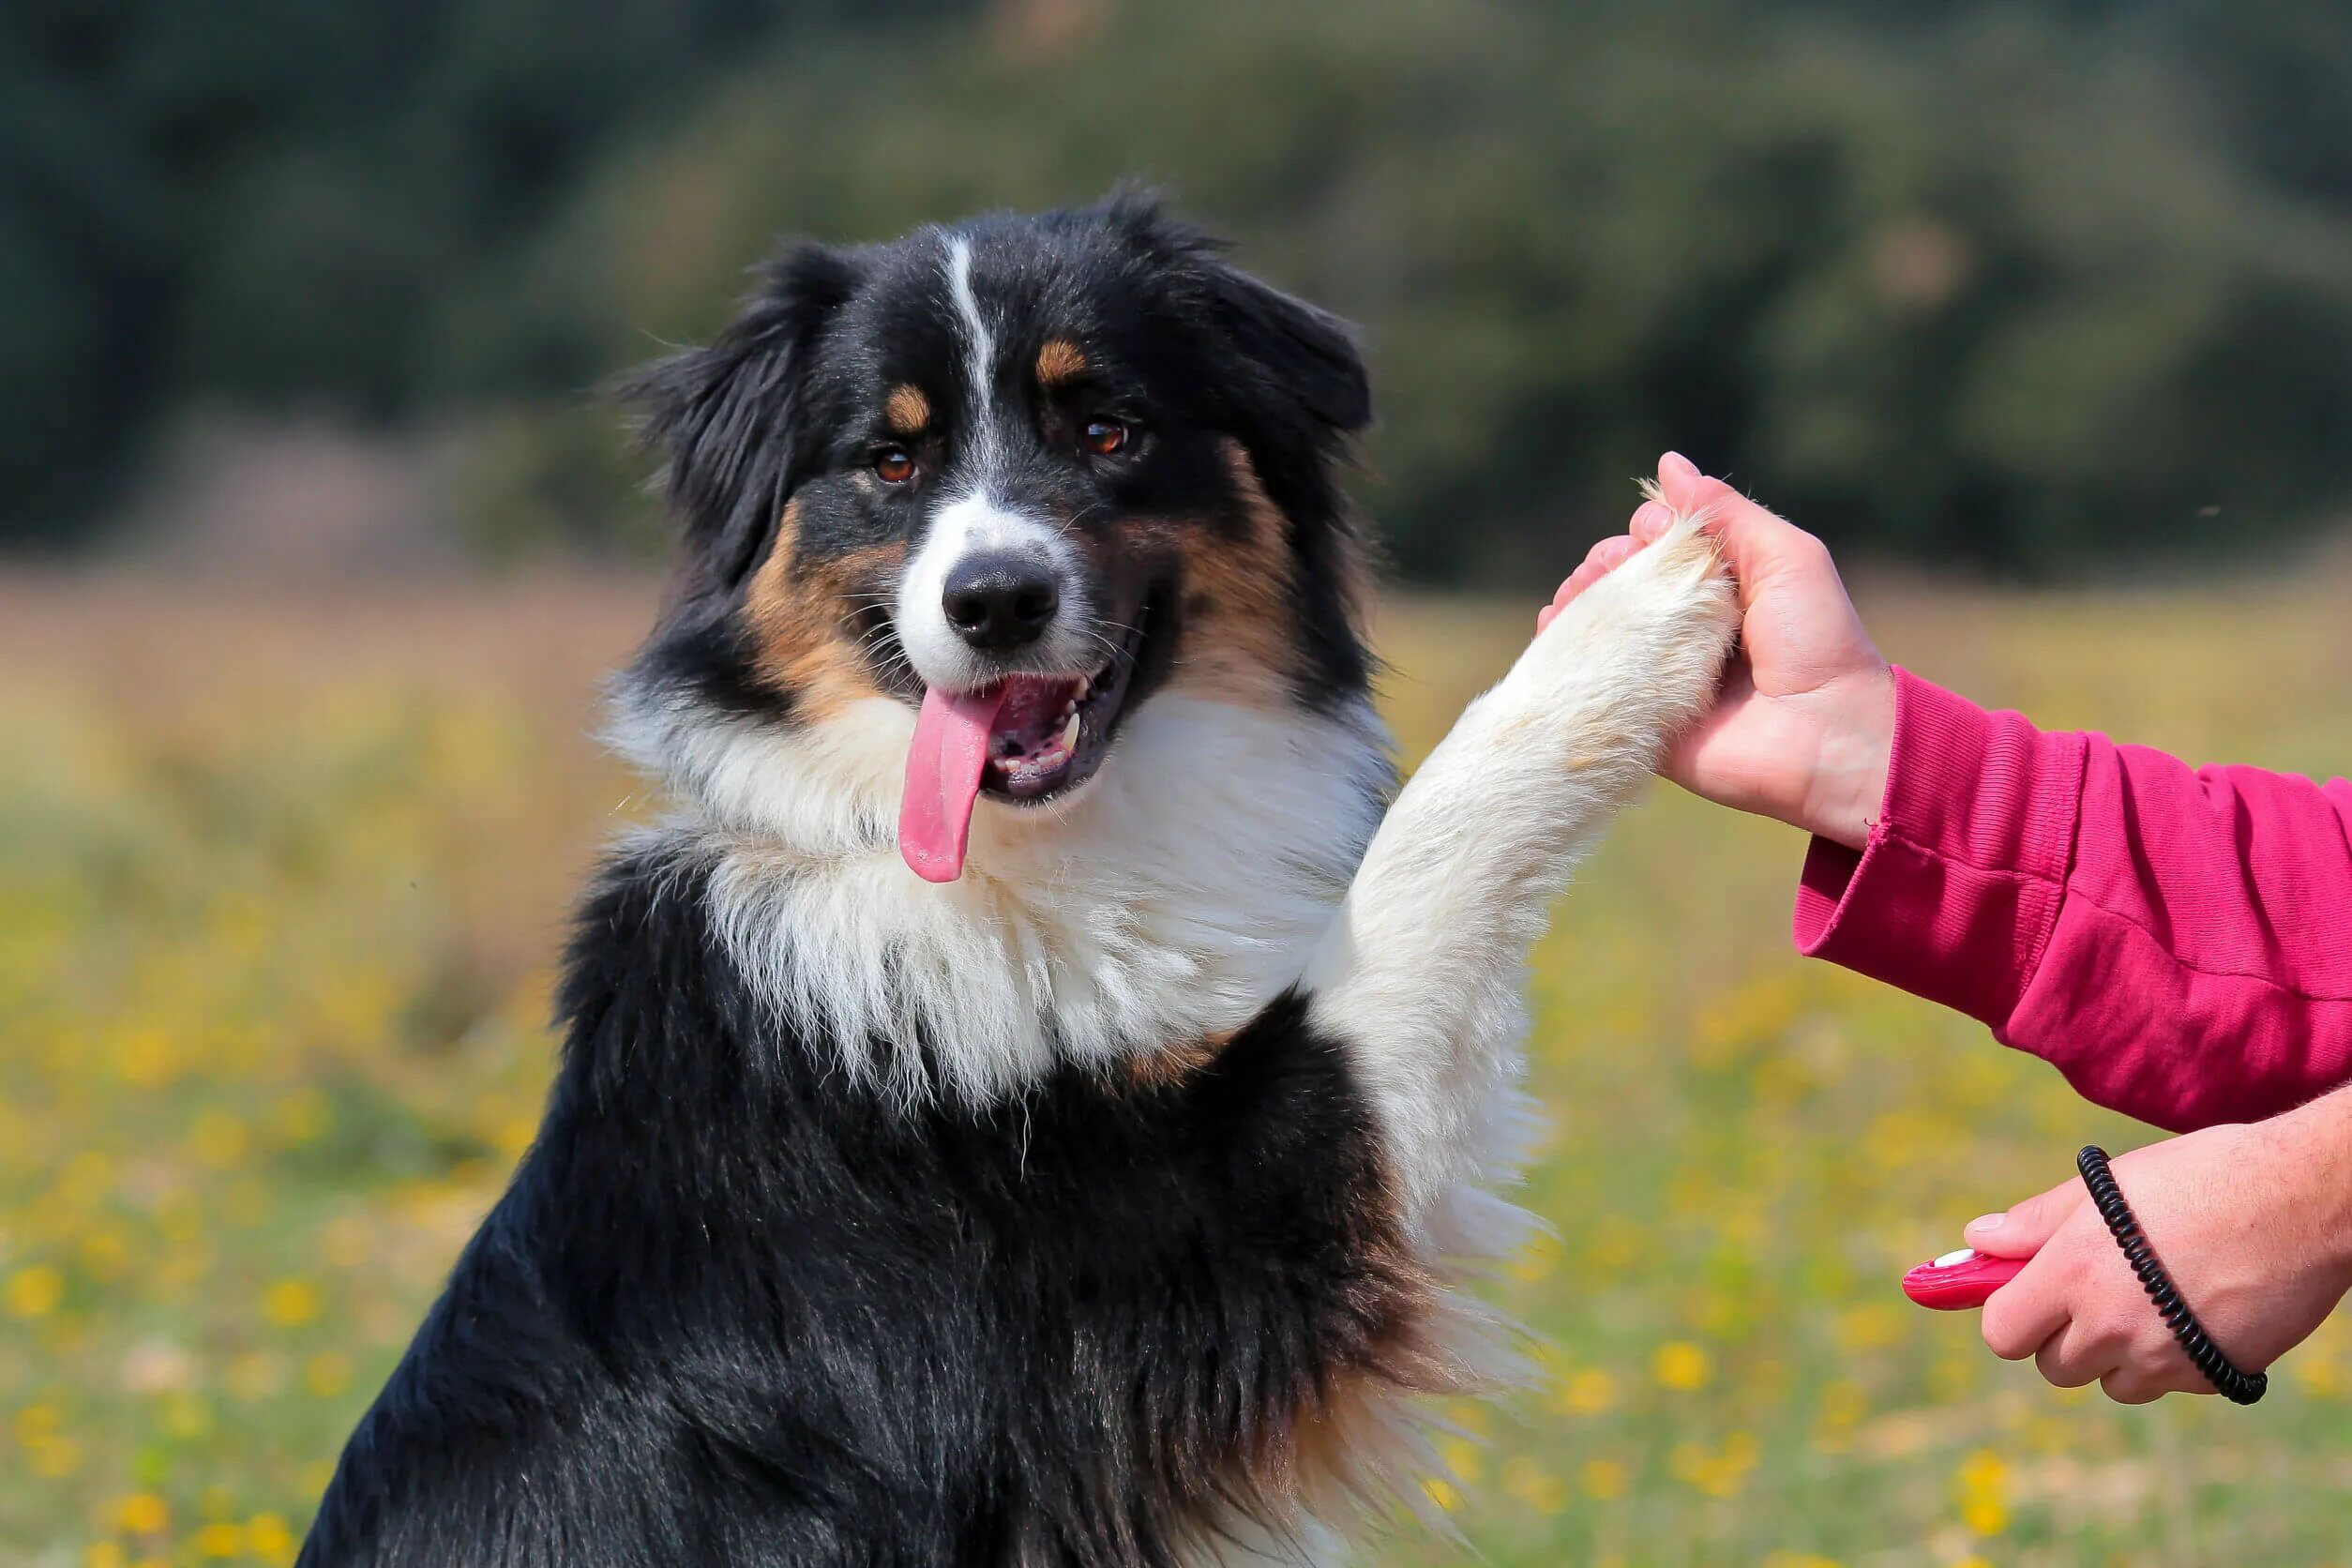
{"x": 1040, "y": 1097}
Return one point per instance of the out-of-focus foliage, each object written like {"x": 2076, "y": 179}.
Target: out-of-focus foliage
{"x": 2030, "y": 288}
{"x": 275, "y": 924}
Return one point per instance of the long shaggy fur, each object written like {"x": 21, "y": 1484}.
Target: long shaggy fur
{"x": 1114, "y": 1204}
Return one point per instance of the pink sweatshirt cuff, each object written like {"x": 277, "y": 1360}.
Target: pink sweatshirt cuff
{"x": 1954, "y": 895}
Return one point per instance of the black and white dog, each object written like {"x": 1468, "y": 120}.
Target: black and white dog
{"x": 1034, "y": 1103}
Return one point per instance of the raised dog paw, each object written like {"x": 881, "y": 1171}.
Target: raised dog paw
{"x": 1645, "y": 635}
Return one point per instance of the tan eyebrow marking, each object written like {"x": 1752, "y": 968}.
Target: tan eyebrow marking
{"x": 907, "y": 409}
{"x": 1059, "y": 360}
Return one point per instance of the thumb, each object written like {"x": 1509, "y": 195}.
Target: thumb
{"x": 1755, "y": 542}
{"x": 2022, "y": 1231}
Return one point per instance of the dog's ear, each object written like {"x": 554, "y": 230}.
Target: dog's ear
{"x": 1290, "y": 381}
{"x": 729, "y": 420}
{"x": 1292, "y": 370}
{"x": 1306, "y": 359}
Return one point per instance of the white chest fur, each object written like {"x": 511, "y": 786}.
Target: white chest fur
{"x": 1168, "y": 901}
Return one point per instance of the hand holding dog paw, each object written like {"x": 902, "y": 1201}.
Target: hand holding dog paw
{"x": 1649, "y": 522}
{"x": 1804, "y": 726}
{"x": 1805, "y": 723}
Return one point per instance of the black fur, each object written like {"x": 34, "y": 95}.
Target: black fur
{"x": 787, "y": 404}
{"x": 734, "y": 1312}
{"x": 736, "y": 1309}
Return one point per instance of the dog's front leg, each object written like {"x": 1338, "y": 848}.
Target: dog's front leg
{"x": 1420, "y": 979}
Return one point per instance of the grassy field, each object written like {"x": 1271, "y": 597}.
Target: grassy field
{"x": 278, "y": 891}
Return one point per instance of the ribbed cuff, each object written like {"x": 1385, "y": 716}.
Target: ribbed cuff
{"x": 1955, "y": 892}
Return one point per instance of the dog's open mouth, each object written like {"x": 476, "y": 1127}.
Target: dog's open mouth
{"x": 1025, "y": 739}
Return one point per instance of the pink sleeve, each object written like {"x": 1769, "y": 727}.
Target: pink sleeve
{"x": 2177, "y": 941}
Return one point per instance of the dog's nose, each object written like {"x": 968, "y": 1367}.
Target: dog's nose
{"x": 1001, "y": 601}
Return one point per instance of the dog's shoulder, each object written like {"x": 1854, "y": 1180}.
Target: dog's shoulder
{"x": 643, "y": 930}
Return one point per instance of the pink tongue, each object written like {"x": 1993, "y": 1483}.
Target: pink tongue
{"x": 944, "y": 768}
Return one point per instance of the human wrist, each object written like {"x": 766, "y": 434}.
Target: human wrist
{"x": 1848, "y": 788}
{"x": 2314, "y": 1144}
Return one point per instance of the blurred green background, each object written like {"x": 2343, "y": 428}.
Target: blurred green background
{"x": 316, "y": 543}
{"x": 2024, "y": 288}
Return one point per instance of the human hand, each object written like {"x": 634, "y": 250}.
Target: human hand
{"x": 2253, "y": 1223}
{"x": 1804, "y": 726}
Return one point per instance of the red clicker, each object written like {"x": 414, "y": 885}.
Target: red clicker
{"x": 1960, "y": 1280}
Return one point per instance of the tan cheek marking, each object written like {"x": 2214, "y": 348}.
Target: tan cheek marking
{"x": 1240, "y": 615}
{"x": 801, "y": 623}
{"x": 1059, "y": 360}
{"x": 908, "y": 410}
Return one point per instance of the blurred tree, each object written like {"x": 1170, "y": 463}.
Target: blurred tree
{"x": 2027, "y": 289}
{"x": 273, "y": 204}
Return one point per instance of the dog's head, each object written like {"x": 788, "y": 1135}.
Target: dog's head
{"x": 961, "y": 508}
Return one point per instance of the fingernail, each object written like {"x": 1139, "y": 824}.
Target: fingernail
{"x": 1679, "y": 461}
{"x": 1985, "y": 1222}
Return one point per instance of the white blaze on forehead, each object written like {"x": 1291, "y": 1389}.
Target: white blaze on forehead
{"x": 973, "y": 519}
{"x": 979, "y": 342}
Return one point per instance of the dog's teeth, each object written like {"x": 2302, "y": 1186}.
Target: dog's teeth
{"x": 1086, "y": 683}
{"x": 1070, "y": 734}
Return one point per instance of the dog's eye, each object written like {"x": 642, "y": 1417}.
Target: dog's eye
{"x": 894, "y": 465}
{"x": 1104, "y": 437}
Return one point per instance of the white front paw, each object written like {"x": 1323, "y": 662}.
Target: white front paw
{"x": 1648, "y": 642}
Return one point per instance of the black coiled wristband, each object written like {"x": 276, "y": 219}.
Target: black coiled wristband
{"x": 2238, "y": 1387}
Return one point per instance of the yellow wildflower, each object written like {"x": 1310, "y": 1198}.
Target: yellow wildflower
{"x": 1681, "y": 1366}
{"x": 267, "y": 1538}
{"x": 1605, "y": 1479}
{"x": 142, "y": 1513}
{"x": 35, "y": 1290}
{"x": 1980, "y": 1484}
{"x": 220, "y": 1538}
{"x": 1462, "y": 1457}
{"x": 54, "y": 1458}
{"x": 1984, "y": 1515}
{"x": 1587, "y": 1392}
{"x": 34, "y": 1424}
{"x": 290, "y": 1303}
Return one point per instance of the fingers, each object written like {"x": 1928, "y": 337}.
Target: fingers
{"x": 2130, "y": 1370}
{"x": 2023, "y": 1315}
{"x": 1679, "y": 481}
{"x": 1611, "y": 553}
{"x": 1755, "y": 542}
{"x": 2025, "y": 1228}
{"x": 2132, "y": 1384}
{"x": 1601, "y": 560}
{"x": 2074, "y": 1358}
{"x": 1648, "y": 526}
